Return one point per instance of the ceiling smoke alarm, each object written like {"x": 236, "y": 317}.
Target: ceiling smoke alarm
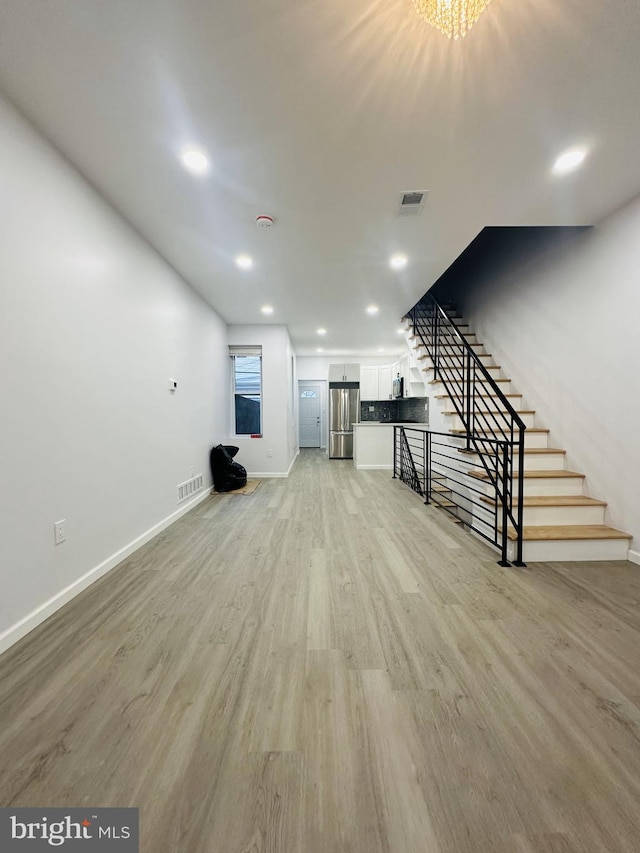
{"x": 264, "y": 221}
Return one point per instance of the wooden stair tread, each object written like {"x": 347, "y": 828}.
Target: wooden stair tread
{"x": 533, "y": 450}
{"x": 556, "y": 532}
{"x": 551, "y": 500}
{"x": 436, "y": 381}
{"x": 496, "y": 412}
{"x": 462, "y": 396}
{"x": 559, "y": 474}
{"x": 480, "y": 354}
{"x": 480, "y": 432}
{"x": 458, "y": 364}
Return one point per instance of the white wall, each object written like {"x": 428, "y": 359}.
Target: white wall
{"x": 273, "y": 453}
{"x": 565, "y": 328}
{"x": 92, "y": 325}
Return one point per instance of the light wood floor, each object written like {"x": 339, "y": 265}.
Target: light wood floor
{"x": 328, "y": 666}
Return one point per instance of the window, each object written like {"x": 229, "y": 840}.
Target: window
{"x": 309, "y": 393}
{"x": 247, "y": 389}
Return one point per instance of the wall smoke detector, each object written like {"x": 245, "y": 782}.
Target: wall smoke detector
{"x": 264, "y": 221}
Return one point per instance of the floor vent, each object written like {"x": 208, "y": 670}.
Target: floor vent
{"x": 189, "y": 488}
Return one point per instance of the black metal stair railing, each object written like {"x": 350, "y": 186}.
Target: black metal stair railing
{"x": 409, "y": 460}
{"x": 492, "y": 429}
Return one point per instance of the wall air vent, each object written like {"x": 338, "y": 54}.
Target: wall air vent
{"x": 411, "y": 203}
{"x": 189, "y": 488}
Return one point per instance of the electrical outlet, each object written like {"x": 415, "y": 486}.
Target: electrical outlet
{"x": 59, "y": 531}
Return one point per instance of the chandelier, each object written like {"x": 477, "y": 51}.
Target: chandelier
{"x": 452, "y": 17}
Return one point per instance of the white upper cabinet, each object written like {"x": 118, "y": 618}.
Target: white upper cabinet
{"x": 384, "y": 382}
{"x": 344, "y": 373}
{"x": 368, "y": 383}
{"x": 352, "y": 372}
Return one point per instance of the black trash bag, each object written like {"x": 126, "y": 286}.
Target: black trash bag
{"x": 227, "y": 474}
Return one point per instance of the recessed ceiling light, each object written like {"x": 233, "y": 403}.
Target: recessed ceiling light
{"x": 397, "y": 262}
{"x": 569, "y": 160}
{"x": 319, "y": 349}
{"x": 380, "y": 349}
{"x": 322, "y": 331}
{"x": 267, "y": 309}
{"x": 372, "y": 309}
{"x": 195, "y": 160}
{"x": 244, "y": 262}
{"x": 401, "y": 331}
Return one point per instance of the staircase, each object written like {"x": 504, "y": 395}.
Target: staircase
{"x": 559, "y": 522}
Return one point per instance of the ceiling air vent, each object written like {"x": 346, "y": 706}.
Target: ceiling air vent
{"x": 411, "y": 204}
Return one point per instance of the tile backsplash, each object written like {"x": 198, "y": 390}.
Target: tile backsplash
{"x": 407, "y": 409}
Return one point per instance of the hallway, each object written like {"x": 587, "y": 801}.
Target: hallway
{"x": 329, "y": 666}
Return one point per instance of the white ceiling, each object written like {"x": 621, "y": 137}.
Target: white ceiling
{"x": 321, "y": 113}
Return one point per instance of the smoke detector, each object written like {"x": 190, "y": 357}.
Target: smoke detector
{"x": 264, "y": 221}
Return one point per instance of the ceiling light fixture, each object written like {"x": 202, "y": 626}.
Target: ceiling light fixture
{"x": 322, "y": 331}
{"x": 319, "y": 349}
{"x": 372, "y": 309}
{"x": 195, "y": 161}
{"x": 569, "y": 160}
{"x": 454, "y": 18}
{"x": 244, "y": 262}
{"x": 267, "y": 309}
{"x": 398, "y": 262}
{"x": 380, "y": 349}
{"x": 401, "y": 331}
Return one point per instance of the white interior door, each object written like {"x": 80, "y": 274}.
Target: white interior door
{"x": 309, "y": 414}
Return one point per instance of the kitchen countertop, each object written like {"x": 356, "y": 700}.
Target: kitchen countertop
{"x": 390, "y": 423}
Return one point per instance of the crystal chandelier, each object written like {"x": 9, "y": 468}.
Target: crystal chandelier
{"x": 452, "y": 17}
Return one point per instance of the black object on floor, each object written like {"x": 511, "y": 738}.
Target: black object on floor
{"x": 227, "y": 474}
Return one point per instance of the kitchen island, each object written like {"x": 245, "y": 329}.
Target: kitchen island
{"x": 373, "y": 443}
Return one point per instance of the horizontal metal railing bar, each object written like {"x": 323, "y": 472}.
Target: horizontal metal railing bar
{"x": 468, "y": 463}
{"x": 463, "y": 456}
{"x": 472, "y": 488}
{"x": 464, "y": 494}
{"x": 436, "y": 432}
{"x": 459, "y": 459}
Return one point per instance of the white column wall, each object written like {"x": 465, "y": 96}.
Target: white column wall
{"x": 93, "y": 323}
{"x": 274, "y": 453}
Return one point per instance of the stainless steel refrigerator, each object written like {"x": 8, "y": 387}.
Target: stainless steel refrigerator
{"x": 344, "y": 411}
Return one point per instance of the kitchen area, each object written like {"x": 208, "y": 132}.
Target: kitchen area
{"x": 366, "y": 402}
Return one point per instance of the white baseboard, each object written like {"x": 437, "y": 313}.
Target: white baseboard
{"x": 265, "y": 475}
{"x": 293, "y": 461}
{"x": 16, "y": 632}
{"x": 634, "y": 557}
{"x": 374, "y": 467}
